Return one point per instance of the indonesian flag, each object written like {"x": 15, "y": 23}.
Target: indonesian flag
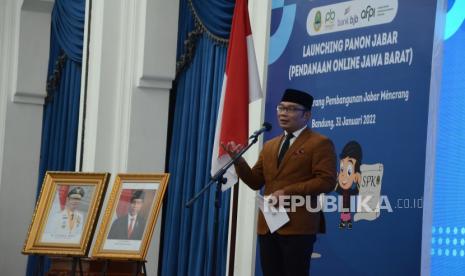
{"x": 63, "y": 194}
{"x": 241, "y": 86}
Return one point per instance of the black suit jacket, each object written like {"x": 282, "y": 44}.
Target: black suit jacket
{"x": 119, "y": 229}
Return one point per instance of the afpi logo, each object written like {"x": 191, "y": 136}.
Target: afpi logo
{"x": 368, "y": 13}
{"x": 317, "y": 21}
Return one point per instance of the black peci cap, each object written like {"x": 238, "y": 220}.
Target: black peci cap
{"x": 298, "y": 97}
{"x": 138, "y": 194}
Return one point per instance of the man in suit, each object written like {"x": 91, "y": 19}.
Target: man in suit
{"x": 299, "y": 162}
{"x": 130, "y": 226}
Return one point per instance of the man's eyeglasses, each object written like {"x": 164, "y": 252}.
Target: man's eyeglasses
{"x": 291, "y": 109}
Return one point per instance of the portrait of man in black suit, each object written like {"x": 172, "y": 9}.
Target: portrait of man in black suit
{"x": 130, "y": 226}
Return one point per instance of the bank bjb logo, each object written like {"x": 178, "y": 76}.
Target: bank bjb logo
{"x": 317, "y": 21}
{"x": 368, "y": 13}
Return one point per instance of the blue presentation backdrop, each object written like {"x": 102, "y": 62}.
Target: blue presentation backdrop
{"x": 368, "y": 65}
{"x": 448, "y": 232}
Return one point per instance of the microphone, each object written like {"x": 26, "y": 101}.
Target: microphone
{"x": 265, "y": 127}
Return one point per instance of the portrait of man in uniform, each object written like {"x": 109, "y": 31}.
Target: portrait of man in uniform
{"x": 66, "y": 213}
{"x": 65, "y": 225}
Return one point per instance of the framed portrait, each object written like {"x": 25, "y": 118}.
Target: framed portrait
{"x": 130, "y": 216}
{"x": 66, "y": 212}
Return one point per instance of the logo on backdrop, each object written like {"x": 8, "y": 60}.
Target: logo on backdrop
{"x": 343, "y": 16}
{"x": 368, "y": 13}
{"x": 317, "y": 21}
{"x": 330, "y": 18}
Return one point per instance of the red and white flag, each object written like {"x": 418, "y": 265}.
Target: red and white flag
{"x": 241, "y": 85}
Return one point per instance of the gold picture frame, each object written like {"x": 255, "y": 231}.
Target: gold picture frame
{"x": 130, "y": 216}
{"x": 66, "y": 212}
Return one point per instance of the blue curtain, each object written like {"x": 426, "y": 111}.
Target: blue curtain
{"x": 188, "y": 233}
{"x": 215, "y": 15}
{"x": 61, "y": 109}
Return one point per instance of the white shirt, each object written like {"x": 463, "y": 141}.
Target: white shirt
{"x": 57, "y": 228}
{"x": 295, "y": 133}
{"x": 131, "y": 219}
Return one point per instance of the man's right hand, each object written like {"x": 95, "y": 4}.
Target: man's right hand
{"x": 232, "y": 148}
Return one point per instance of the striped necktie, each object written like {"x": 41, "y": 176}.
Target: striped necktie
{"x": 285, "y": 147}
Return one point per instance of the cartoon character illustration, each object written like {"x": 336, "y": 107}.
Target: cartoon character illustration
{"x": 348, "y": 179}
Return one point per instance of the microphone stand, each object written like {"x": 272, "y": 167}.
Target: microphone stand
{"x": 219, "y": 180}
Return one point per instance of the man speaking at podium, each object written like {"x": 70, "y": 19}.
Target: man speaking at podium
{"x": 299, "y": 162}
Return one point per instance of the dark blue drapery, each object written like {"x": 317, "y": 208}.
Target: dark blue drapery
{"x": 61, "y": 109}
{"x": 188, "y": 233}
{"x": 215, "y": 15}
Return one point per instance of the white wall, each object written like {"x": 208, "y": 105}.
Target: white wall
{"x": 131, "y": 67}
{"x": 132, "y": 58}
{"x": 24, "y": 44}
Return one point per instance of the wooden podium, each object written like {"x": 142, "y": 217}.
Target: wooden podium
{"x": 61, "y": 266}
